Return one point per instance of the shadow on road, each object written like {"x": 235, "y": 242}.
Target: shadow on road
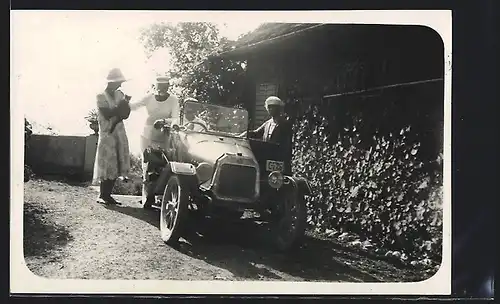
{"x": 243, "y": 248}
{"x": 149, "y": 216}
{"x": 41, "y": 236}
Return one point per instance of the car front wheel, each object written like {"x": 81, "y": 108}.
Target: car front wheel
{"x": 174, "y": 209}
{"x": 290, "y": 221}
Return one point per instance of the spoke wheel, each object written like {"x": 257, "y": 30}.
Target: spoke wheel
{"x": 289, "y": 226}
{"x": 173, "y": 210}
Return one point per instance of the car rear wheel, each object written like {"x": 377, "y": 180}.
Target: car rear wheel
{"x": 174, "y": 209}
{"x": 290, "y": 223}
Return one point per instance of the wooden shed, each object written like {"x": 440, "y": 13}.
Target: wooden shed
{"x": 324, "y": 61}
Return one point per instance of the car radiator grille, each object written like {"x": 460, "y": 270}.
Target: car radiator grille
{"x": 237, "y": 181}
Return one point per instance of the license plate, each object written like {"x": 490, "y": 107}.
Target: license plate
{"x": 272, "y": 165}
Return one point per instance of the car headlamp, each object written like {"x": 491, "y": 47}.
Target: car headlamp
{"x": 275, "y": 179}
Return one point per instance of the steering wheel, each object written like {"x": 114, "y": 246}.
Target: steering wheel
{"x": 197, "y": 123}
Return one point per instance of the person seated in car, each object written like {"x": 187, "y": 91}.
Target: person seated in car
{"x": 277, "y": 129}
{"x": 190, "y": 120}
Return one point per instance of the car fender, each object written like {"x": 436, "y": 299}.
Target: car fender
{"x": 182, "y": 168}
{"x": 302, "y": 185}
{"x": 186, "y": 171}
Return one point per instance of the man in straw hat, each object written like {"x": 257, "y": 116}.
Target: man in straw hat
{"x": 159, "y": 104}
{"x": 277, "y": 129}
{"x": 113, "y": 155}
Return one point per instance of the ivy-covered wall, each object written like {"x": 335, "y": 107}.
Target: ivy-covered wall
{"x": 375, "y": 158}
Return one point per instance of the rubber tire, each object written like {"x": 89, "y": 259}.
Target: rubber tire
{"x": 300, "y": 226}
{"x": 172, "y": 237}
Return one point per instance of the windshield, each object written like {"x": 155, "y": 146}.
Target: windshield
{"x": 218, "y": 119}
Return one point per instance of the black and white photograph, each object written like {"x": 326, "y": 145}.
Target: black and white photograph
{"x": 238, "y": 152}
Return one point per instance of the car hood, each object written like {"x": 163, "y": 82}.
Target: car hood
{"x": 208, "y": 148}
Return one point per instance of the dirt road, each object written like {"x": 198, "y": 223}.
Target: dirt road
{"x": 68, "y": 235}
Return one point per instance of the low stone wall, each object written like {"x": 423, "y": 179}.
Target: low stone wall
{"x": 90, "y": 153}
{"x": 69, "y": 156}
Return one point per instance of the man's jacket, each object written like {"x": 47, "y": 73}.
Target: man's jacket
{"x": 280, "y": 133}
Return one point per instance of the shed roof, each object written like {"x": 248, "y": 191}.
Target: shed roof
{"x": 268, "y": 31}
{"x": 265, "y": 34}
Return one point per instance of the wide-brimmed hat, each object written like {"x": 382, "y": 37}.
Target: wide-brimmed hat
{"x": 163, "y": 79}
{"x": 115, "y": 75}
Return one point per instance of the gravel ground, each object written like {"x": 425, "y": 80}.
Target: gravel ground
{"x": 68, "y": 235}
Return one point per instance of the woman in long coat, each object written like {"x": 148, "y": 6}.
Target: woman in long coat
{"x": 113, "y": 153}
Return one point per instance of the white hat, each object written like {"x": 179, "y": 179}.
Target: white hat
{"x": 273, "y": 100}
{"x": 190, "y": 99}
{"x": 115, "y": 75}
{"x": 162, "y": 79}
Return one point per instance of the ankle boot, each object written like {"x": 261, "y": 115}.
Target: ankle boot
{"x": 102, "y": 192}
{"x": 109, "y": 188}
{"x": 102, "y": 189}
{"x": 110, "y": 183}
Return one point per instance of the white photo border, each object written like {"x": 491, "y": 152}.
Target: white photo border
{"x": 24, "y": 281}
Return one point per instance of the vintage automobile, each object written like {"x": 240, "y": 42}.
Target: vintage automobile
{"x": 214, "y": 171}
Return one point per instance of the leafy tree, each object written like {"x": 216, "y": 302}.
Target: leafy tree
{"x": 190, "y": 44}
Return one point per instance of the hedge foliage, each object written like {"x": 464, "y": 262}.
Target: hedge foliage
{"x": 133, "y": 186}
{"x": 375, "y": 186}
